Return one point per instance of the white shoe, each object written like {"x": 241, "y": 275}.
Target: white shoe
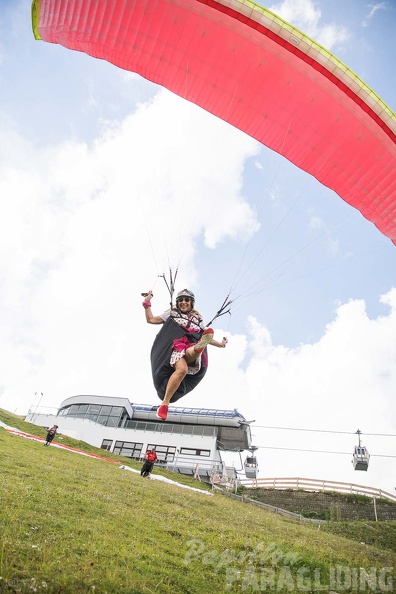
{"x": 206, "y": 338}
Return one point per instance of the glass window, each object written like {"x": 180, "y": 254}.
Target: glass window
{"x": 105, "y": 410}
{"x": 82, "y": 408}
{"x": 106, "y": 444}
{"x": 138, "y": 425}
{"x": 177, "y": 428}
{"x": 94, "y": 409}
{"x": 194, "y": 452}
{"x": 102, "y": 420}
{"x": 112, "y": 422}
{"x": 164, "y": 453}
{"x": 128, "y": 448}
{"x": 116, "y": 411}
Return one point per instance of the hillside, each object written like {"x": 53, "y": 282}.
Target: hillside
{"x": 73, "y": 524}
{"x": 329, "y": 505}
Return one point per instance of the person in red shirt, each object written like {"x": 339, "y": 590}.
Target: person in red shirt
{"x": 147, "y": 467}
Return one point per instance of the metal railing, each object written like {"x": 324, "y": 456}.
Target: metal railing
{"x": 179, "y": 429}
{"x": 306, "y": 484}
{"x": 192, "y": 466}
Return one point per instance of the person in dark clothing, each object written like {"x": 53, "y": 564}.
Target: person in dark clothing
{"x": 51, "y": 432}
{"x": 147, "y": 467}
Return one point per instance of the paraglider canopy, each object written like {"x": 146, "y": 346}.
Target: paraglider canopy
{"x": 247, "y": 66}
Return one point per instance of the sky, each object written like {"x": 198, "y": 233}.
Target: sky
{"x": 107, "y": 180}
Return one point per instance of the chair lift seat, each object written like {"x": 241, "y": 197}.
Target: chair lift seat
{"x": 361, "y": 458}
{"x": 251, "y": 467}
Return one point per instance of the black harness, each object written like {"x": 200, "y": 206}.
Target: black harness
{"x": 160, "y": 356}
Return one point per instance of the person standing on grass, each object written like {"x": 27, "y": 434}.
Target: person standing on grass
{"x": 147, "y": 467}
{"x": 51, "y": 432}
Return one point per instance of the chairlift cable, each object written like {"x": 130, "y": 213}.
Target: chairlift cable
{"x": 258, "y": 217}
{"x": 324, "y": 431}
{"x": 321, "y": 451}
{"x": 263, "y": 247}
{"x": 291, "y": 258}
{"x": 269, "y": 280}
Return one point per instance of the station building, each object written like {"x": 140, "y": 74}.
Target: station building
{"x": 191, "y": 441}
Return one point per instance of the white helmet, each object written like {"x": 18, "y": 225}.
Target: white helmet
{"x": 186, "y": 293}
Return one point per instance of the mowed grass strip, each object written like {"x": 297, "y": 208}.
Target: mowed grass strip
{"x": 72, "y": 524}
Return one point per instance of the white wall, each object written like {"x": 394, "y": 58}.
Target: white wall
{"x": 94, "y": 434}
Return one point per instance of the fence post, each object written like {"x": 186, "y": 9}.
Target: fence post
{"x": 375, "y": 509}
{"x": 196, "y": 473}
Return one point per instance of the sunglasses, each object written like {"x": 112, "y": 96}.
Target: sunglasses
{"x": 186, "y": 299}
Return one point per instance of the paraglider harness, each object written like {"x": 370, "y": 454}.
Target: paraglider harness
{"x": 163, "y": 345}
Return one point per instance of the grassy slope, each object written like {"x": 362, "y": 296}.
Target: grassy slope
{"x": 379, "y": 534}
{"x": 71, "y": 524}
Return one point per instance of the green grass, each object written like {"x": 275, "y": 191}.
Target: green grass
{"x": 379, "y": 534}
{"x": 72, "y": 524}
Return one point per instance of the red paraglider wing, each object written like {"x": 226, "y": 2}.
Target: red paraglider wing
{"x": 255, "y": 71}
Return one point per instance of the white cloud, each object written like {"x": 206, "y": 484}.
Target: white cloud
{"x": 343, "y": 382}
{"x": 373, "y": 9}
{"x": 347, "y": 362}
{"x": 316, "y": 223}
{"x": 304, "y": 15}
{"x": 85, "y": 228}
